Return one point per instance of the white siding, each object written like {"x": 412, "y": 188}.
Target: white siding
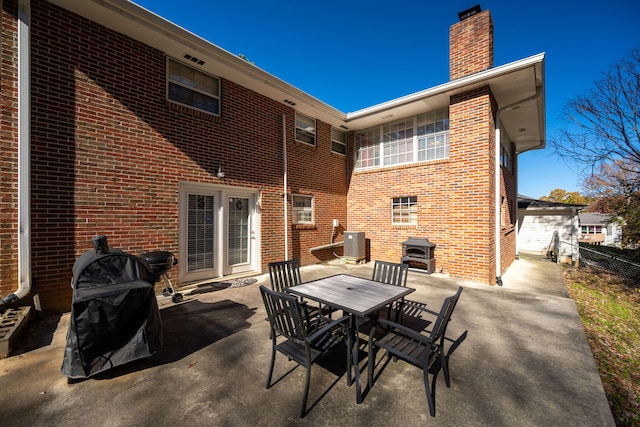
{"x": 536, "y": 228}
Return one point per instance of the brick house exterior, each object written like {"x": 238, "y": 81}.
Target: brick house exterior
{"x": 110, "y": 154}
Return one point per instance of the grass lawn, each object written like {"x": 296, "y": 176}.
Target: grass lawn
{"x": 610, "y": 310}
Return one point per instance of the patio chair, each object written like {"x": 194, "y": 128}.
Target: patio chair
{"x": 423, "y": 351}
{"x": 391, "y": 274}
{"x": 301, "y": 342}
{"x": 284, "y": 274}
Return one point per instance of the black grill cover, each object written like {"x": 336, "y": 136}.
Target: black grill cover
{"x": 114, "y": 314}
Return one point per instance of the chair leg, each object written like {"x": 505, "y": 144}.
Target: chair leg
{"x": 444, "y": 362}
{"x": 430, "y": 391}
{"x": 445, "y": 357}
{"x": 306, "y": 392}
{"x": 273, "y": 360}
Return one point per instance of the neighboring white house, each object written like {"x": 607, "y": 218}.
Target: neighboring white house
{"x": 548, "y": 229}
{"x": 597, "y": 229}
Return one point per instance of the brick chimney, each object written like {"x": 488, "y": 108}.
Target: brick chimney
{"x": 471, "y": 43}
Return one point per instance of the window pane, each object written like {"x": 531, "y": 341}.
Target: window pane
{"x": 336, "y": 147}
{"x": 398, "y": 142}
{"x": 394, "y": 143}
{"x": 305, "y": 129}
{"x": 302, "y": 209}
{"x": 191, "y": 87}
{"x": 195, "y": 99}
{"x": 338, "y": 141}
{"x": 368, "y": 148}
{"x": 404, "y": 210}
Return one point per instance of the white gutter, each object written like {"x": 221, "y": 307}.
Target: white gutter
{"x": 498, "y": 206}
{"x": 24, "y": 148}
{"x": 24, "y": 156}
{"x": 285, "y": 198}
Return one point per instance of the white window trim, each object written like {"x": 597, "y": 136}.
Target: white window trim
{"x": 218, "y": 97}
{"x": 410, "y": 209}
{"x": 295, "y": 210}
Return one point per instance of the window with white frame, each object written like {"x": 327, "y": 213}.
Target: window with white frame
{"x": 302, "y": 206}
{"x": 397, "y": 142}
{"x": 404, "y": 210}
{"x": 413, "y": 139}
{"x": 338, "y": 141}
{"x": 305, "y": 129}
{"x": 433, "y": 135}
{"x": 591, "y": 229}
{"x": 368, "y": 148}
{"x": 192, "y": 88}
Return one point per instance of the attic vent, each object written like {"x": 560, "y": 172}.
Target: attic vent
{"x": 286, "y": 101}
{"x": 469, "y": 12}
{"x": 194, "y": 59}
{"x": 344, "y": 127}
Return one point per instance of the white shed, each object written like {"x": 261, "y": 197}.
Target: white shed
{"x": 548, "y": 229}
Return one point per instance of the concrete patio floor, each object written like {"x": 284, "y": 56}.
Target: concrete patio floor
{"x": 525, "y": 362}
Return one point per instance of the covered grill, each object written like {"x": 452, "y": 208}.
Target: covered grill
{"x": 114, "y": 314}
{"x": 160, "y": 263}
{"x": 419, "y": 250}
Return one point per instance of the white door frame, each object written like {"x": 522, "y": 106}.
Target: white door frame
{"x": 221, "y": 194}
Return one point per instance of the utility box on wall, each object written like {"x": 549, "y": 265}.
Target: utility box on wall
{"x": 355, "y": 246}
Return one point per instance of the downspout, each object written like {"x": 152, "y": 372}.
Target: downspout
{"x": 24, "y": 157}
{"x": 285, "y": 198}
{"x": 517, "y": 230}
{"x": 498, "y": 204}
{"x": 497, "y": 189}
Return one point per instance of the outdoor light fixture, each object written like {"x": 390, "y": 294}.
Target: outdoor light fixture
{"x": 220, "y": 173}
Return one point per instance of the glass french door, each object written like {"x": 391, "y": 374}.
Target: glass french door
{"x": 217, "y": 232}
{"x": 239, "y": 235}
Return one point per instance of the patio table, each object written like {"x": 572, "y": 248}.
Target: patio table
{"x": 354, "y": 295}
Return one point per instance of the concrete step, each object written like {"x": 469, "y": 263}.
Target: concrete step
{"x": 12, "y": 323}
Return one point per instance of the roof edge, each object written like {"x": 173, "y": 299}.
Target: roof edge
{"x": 453, "y": 85}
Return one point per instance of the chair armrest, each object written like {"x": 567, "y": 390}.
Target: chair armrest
{"x": 418, "y": 306}
{"x": 326, "y": 328}
{"x": 406, "y": 331}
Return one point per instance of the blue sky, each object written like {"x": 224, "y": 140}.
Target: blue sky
{"x": 355, "y": 54}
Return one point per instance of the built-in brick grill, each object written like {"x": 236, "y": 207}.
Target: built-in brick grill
{"x": 419, "y": 250}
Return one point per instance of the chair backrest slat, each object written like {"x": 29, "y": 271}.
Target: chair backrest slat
{"x": 285, "y": 314}
{"x": 284, "y": 274}
{"x": 390, "y": 273}
{"x": 440, "y": 325}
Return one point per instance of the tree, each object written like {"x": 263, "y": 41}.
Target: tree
{"x": 616, "y": 189}
{"x": 562, "y": 196}
{"x": 603, "y": 138}
{"x": 604, "y": 123}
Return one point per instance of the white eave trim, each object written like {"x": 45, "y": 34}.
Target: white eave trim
{"x": 453, "y": 86}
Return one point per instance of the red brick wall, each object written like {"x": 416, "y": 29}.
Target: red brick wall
{"x": 108, "y": 152}
{"x": 456, "y": 197}
{"x": 471, "y": 45}
{"x": 9, "y": 149}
